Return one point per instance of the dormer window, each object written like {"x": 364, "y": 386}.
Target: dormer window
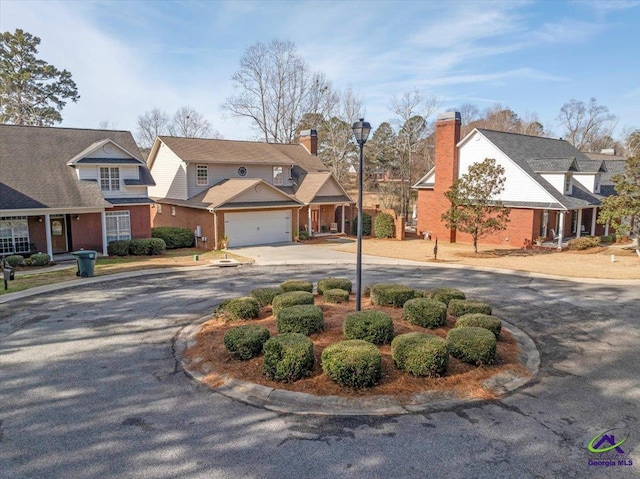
{"x": 110, "y": 179}
{"x": 277, "y": 175}
{"x": 202, "y": 175}
{"x": 567, "y": 183}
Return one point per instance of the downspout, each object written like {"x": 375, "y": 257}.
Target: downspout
{"x": 47, "y": 230}
{"x": 215, "y": 230}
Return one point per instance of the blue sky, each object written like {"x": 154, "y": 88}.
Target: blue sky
{"x": 532, "y": 56}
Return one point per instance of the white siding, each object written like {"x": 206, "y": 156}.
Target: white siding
{"x": 108, "y": 151}
{"x": 556, "y": 180}
{"x": 168, "y": 171}
{"x": 586, "y": 180}
{"x": 92, "y": 172}
{"x": 218, "y": 173}
{"x": 519, "y": 185}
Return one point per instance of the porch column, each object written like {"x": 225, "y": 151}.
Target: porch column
{"x": 215, "y": 230}
{"x": 606, "y": 229}
{"x": 105, "y": 244}
{"x": 579, "y": 225}
{"x": 594, "y": 215}
{"x": 560, "y": 230}
{"x": 47, "y": 230}
{"x": 343, "y": 208}
{"x": 309, "y": 220}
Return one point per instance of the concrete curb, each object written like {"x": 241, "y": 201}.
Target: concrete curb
{"x": 290, "y": 402}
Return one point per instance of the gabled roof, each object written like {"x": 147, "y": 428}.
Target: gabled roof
{"x": 427, "y": 181}
{"x": 105, "y": 143}
{"x": 309, "y": 190}
{"x": 34, "y": 171}
{"x": 553, "y": 165}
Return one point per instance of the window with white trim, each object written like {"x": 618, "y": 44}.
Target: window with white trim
{"x": 202, "y": 175}
{"x": 567, "y": 183}
{"x": 159, "y": 208}
{"x": 110, "y": 179}
{"x": 118, "y": 225}
{"x": 173, "y": 211}
{"x": 14, "y": 235}
{"x": 277, "y": 175}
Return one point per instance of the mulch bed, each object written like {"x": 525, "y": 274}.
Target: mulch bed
{"x": 462, "y": 379}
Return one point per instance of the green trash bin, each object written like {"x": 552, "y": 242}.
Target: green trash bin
{"x": 86, "y": 262}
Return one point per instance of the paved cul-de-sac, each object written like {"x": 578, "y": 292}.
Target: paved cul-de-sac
{"x": 90, "y": 388}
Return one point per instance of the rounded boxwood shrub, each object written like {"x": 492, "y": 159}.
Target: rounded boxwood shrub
{"x": 336, "y": 295}
{"x": 39, "y": 259}
{"x": 472, "y": 345}
{"x": 352, "y": 363}
{"x": 265, "y": 295}
{"x": 296, "y": 285}
{"x": 174, "y": 236}
{"x": 446, "y": 294}
{"x": 118, "y": 248}
{"x": 479, "y": 320}
{"x": 334, "y": 283}
{"x": 241, "y": 308}
{"x": 420, "y": 354}
{"x": 395, "y": 295}
{"x": 15, "y": 260}
{"x": 459, "y": 307}
{"x": 303, "y": 318}
{"x": 245, "y": 342}
{"x": 291, "y": 298}
{"x": 147, "y": 246}
{"x": 372, "y": 326}
{"x": 384, "y": 226}
{"x": 366, "y": 225}
{"x": 584, "y": 242}
{"x": 288, "y": 357}
{"x": 425, "y": 312}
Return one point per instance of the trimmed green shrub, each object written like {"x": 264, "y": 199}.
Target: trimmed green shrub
{"x": 372, "y": 326}
{"x": 146, "y": 246}
{"x": 385, "y": 226}
{"x": 420, "y": 354}
{"x": 241, "y": 308}
{"x": 265, "y": 295}
{"x": 366, "y": 225}
{"x": 458, "y": 307}
{"x": 479, "y": 320}
{"x": 174, "y": 236}
{"x": 425, "y": 312}
{"x": 472, "y": 345}
{"x": 606, "y": 239}
{"x": 15, "y": 260}
{"x": 39, "y": 259}
{"x": 614, "y": 237}
{"x": 391, "y": 294}
{"x": 366, "y": 291}
{"x": 446, "y": 294}
{"x": 288, "y": 357}
{"x": 353, "y": 363}
{"x": 336, "y": 295}
{"x": 334, "y": 283}
{"x": 296, "y": 285}
{"x": 291, "y": 298}
{"x": 303, "y": 235}
{"x": 156, "y": 246}
{"x": 303, "y": 318}
{"x": 118, "y": 248}
{"x": 584, "y": 242}
{"x": 245, "y": 342}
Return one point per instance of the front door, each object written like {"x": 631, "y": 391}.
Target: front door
{"x": 58, "y": 234}
{"x": 315, "y": 214}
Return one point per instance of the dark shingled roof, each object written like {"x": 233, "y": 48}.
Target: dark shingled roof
{"x": 34, "y": 171}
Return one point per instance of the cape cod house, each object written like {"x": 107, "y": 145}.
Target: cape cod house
{"x": 66, "y": 189}
{"x": 244, "y": 193}
{"x": 553, "y": 189}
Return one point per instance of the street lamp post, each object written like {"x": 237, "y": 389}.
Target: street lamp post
{"x": 361, "y": 131}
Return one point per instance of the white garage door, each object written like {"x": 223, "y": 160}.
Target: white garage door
{"x": 257, "y": 227}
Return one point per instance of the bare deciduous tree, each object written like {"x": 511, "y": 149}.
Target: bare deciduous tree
{"x": 276, "y": 89}
{"x": 501, "y": 118}
{"x": 150, "y": 125}
{"x": 189, "y": 123}
{"x": 586, "y": 124}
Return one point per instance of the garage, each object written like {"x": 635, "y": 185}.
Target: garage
{"x": 257, "y": 227}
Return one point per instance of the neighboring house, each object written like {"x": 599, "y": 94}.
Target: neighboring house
{"x": 66, "y": 189}
{"x": 244, "y": 192}
{"x": 553, "y": 189}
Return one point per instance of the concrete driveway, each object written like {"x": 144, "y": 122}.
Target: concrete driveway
{"x": 89, "y": 387}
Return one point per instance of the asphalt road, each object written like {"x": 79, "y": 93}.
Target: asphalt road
{"x": 89, "y": 388}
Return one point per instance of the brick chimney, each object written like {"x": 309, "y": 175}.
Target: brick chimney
{"x": 446, "y": 164}
{"x": 309, "y": 139}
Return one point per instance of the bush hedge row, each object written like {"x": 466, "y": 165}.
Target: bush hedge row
{"x": 479, "y": 320}
{"x": 265, "y": 295}
{"x": 136, "y": 247}
{"x": 334, "y": 283}
{"x": 15, "y": 260}
{"x": 420, "y": 354}
{"x": 373, "y": 326}
{"x": 425, "y": 312}
{"x": 288, "y": 357}
{"x": 174, "y": 236}
{"x": 302, "y": 318}
{"x": 395, "y": 295}
{"x": 459, "y": 307}
{"x": 445, "y": 294}
{"x": 352, "y": 363}
{"x": 291, "y": 298}
{"x": 472, "y": 345}
{"x": 336, "y": 295}
{"x": 37, "y": 259}
{"x": 245, "y": 342}
{"x": 296, "y": 285}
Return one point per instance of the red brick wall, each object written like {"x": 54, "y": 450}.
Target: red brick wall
{"x": 140, "y": 220}
{"x": 188, "y": 218}
{"x": 520, "y": 231}
{"x": 37, "y": 234}
{"x": 86, "y": 232}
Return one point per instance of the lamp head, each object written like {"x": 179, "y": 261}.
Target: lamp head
{"x": 361, "y": 130}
